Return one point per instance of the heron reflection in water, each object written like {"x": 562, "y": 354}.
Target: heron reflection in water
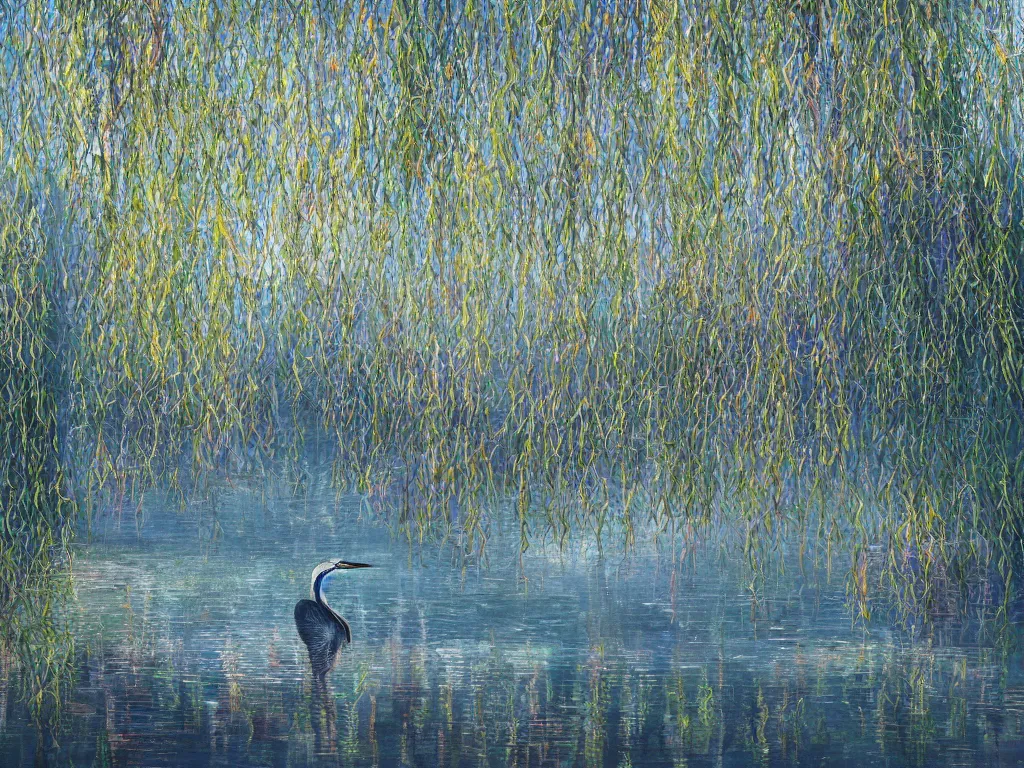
{"x": 324, "y": 631}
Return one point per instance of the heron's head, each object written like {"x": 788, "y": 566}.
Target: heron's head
{"x": 327, "y": 569}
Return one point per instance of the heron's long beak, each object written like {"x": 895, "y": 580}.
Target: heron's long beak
{"x": 346, "y": 566}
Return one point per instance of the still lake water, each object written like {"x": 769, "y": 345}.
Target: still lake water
{"x": 187, "y": 654}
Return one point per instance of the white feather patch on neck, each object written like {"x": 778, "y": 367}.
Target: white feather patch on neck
{"x": 322, "y": 568}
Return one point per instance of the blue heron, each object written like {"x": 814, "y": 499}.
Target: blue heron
{"x": 322, "y": 628}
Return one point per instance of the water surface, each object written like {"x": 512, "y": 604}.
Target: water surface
{"x": 186, "y": 653}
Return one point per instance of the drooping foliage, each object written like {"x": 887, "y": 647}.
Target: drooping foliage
{"x": 743, "y": 266}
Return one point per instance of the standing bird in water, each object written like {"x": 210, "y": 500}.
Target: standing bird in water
{"x": 322, "y": 628}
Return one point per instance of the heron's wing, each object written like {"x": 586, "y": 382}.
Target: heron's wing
{"x": 321, "y": 634}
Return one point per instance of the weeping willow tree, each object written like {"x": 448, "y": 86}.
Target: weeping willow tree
{"x": 35, "y": 514}
{"x": 752, "y": 267}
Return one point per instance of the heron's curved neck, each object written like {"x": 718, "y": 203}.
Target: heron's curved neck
{"x": 316, "y": 589}
{"x": 318, "y": 594}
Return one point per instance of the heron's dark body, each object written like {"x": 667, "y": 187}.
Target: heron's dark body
{"x": 322, "y": 632}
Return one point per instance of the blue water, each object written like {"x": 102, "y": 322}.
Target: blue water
{"x": 186, "y": 654}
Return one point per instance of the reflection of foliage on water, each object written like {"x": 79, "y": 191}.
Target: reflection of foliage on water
{"x": 498, "y": 703}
